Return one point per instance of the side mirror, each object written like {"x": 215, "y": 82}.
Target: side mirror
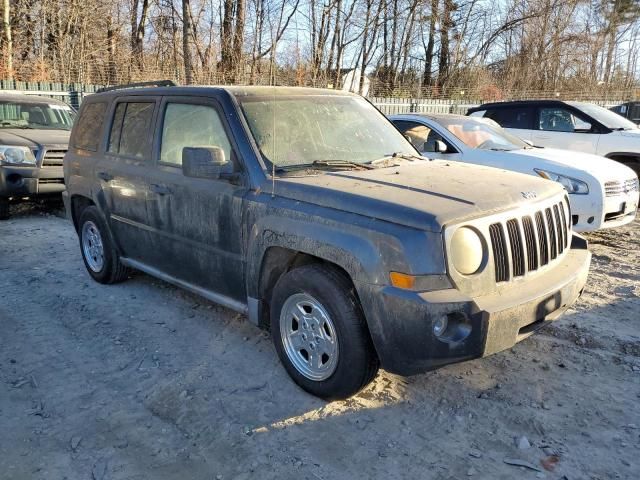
{"x": 205, "y": 162}
{"x": 441, "y": 147}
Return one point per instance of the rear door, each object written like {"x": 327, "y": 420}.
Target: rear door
{"x": 518, "y": 120}
{"x": 123, "y": 173}
{"x": 558, "y": 126}
{"x": 195, "y": 222}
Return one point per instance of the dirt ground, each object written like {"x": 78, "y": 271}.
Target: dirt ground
{"x": 145, "y": 381}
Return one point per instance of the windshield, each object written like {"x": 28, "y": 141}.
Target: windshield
{"x": 302, "y": 129}
{"x": 478, "y": 133}
{"x": 35, "y": 115}
{"x": 606, "y": 117}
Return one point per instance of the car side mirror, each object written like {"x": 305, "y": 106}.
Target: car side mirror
{"x": 205, "y": 162}
{"x": 441, "y": 147}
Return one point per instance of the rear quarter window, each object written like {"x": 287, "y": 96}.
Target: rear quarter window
{"x": 512, "y": 117}
{"x": 89, "y": 126}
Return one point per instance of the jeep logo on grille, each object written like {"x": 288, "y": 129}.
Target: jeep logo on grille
{"x": 529, "y": 195}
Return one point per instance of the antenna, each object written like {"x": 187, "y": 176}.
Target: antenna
{"x": 273, "y": 139}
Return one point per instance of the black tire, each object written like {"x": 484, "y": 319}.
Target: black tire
{"x": 112, "y": 270}
{"x": 4, "y": 209}
{"x": 357, "y": 362}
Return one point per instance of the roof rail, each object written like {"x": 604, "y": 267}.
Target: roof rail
{"x": 155, "y": 83}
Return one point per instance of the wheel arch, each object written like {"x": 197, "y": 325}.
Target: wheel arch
{"x": 78, "y": 204}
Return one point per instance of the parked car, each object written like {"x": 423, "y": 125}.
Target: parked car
{"x": 603, "y": 193}
{"x": 308, "y": 211}
{"x": 629, "y": 110}
{"x": 34, "y": 133}
{"x": 569, "y": 125}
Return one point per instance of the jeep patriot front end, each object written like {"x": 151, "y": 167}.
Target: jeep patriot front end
{"x": 308, "y": 211}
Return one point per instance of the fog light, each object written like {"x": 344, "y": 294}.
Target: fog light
{"x": 440, "y": 325}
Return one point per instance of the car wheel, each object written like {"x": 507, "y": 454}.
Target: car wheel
{"x": 4, "y": 208}
{"x": 99, "y": 255}
{"x": 320, "y": 332}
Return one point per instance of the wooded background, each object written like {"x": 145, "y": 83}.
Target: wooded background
{"x": 483, "y": 49}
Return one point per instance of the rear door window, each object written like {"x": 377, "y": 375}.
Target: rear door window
{"x": 512, "y": 117}
{"x": 88, "y": 132}
{"x": 131, "y": 129}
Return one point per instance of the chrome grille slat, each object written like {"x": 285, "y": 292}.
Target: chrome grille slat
{"x": 499, "y": 246}
{"x": 551, "y": 229}
{"x": 531, "y": 241}
{"x": 617, "y": 187}
{"x": 564, "y": 225}
{"x": 517, "y": 252}
{"x": 542, "y": 239}
{"x": 559, "y": 232}
{"x": 53, "y": 158}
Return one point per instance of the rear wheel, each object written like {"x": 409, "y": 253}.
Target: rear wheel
{"x": 4, "y": 208}
{"x": 99, "y": 255}
{"x": 320, "y": 332}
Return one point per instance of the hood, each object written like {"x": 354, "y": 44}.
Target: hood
{"x": 427, "y": 196}
{"x": 600, "y": 167}
{"x": 34, "y": 138}
{"x": 635, "y": 133}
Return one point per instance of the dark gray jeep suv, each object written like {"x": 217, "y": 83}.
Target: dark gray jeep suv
{"x": 308, "y": 211}
{"x": 34, "y": 133}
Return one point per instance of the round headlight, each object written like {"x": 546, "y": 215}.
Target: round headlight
{"x": 467, "y": 251}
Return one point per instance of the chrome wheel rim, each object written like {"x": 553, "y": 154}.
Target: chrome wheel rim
{"x": 92, "y": 248}
{"x": 309, "y": 337}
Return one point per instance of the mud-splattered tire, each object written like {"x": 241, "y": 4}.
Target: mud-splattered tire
{"x": 320, "y": 332}
{"x": 4, "y": 208}
{"x": 96, "y": 246}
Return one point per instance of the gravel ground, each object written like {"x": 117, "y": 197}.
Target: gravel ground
{"x": 145, "y": 381}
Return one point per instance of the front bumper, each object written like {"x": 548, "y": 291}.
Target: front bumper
{"x": 614, "y": 211}
{"x": 401, "y": 322}
{"x": 30, "y": 181}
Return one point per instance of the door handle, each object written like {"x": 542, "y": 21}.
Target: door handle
{"x": 107, "y": 177}
{"x": 160, "y": 189}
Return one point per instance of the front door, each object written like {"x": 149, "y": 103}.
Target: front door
{"x": 559, "y": 127}
{"x": 196, "y": 224}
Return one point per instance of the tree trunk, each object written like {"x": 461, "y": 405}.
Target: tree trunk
{"x": 447, "y": 24}
{"x": 238, "y": 40}
{"x": 8, "y": 42}
{"x": 186, "y": 49}
{"x": 428, "y": 57}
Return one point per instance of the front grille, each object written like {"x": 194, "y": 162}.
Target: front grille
{"x": 42, "y": 181}
{"x": 616, "y": 187}
{"x": 525, "y": 244}
{"x": 53, "y": 158}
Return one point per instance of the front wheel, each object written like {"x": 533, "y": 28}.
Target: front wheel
{"x": 320, "y": 332}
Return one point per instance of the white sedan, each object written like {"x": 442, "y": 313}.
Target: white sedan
{"x": 603, "y": 193}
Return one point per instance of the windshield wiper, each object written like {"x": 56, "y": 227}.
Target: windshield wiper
{"x": 400, "y": 155}
{"x": 324, "y": 165}
{"x": 22, "y": 127}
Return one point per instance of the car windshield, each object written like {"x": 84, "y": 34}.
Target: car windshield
{"x": 295, "y": 130}
{"x": 37, "y": 115}
{"x": 482, "y": 134}
{"x": 606, "y": 117}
